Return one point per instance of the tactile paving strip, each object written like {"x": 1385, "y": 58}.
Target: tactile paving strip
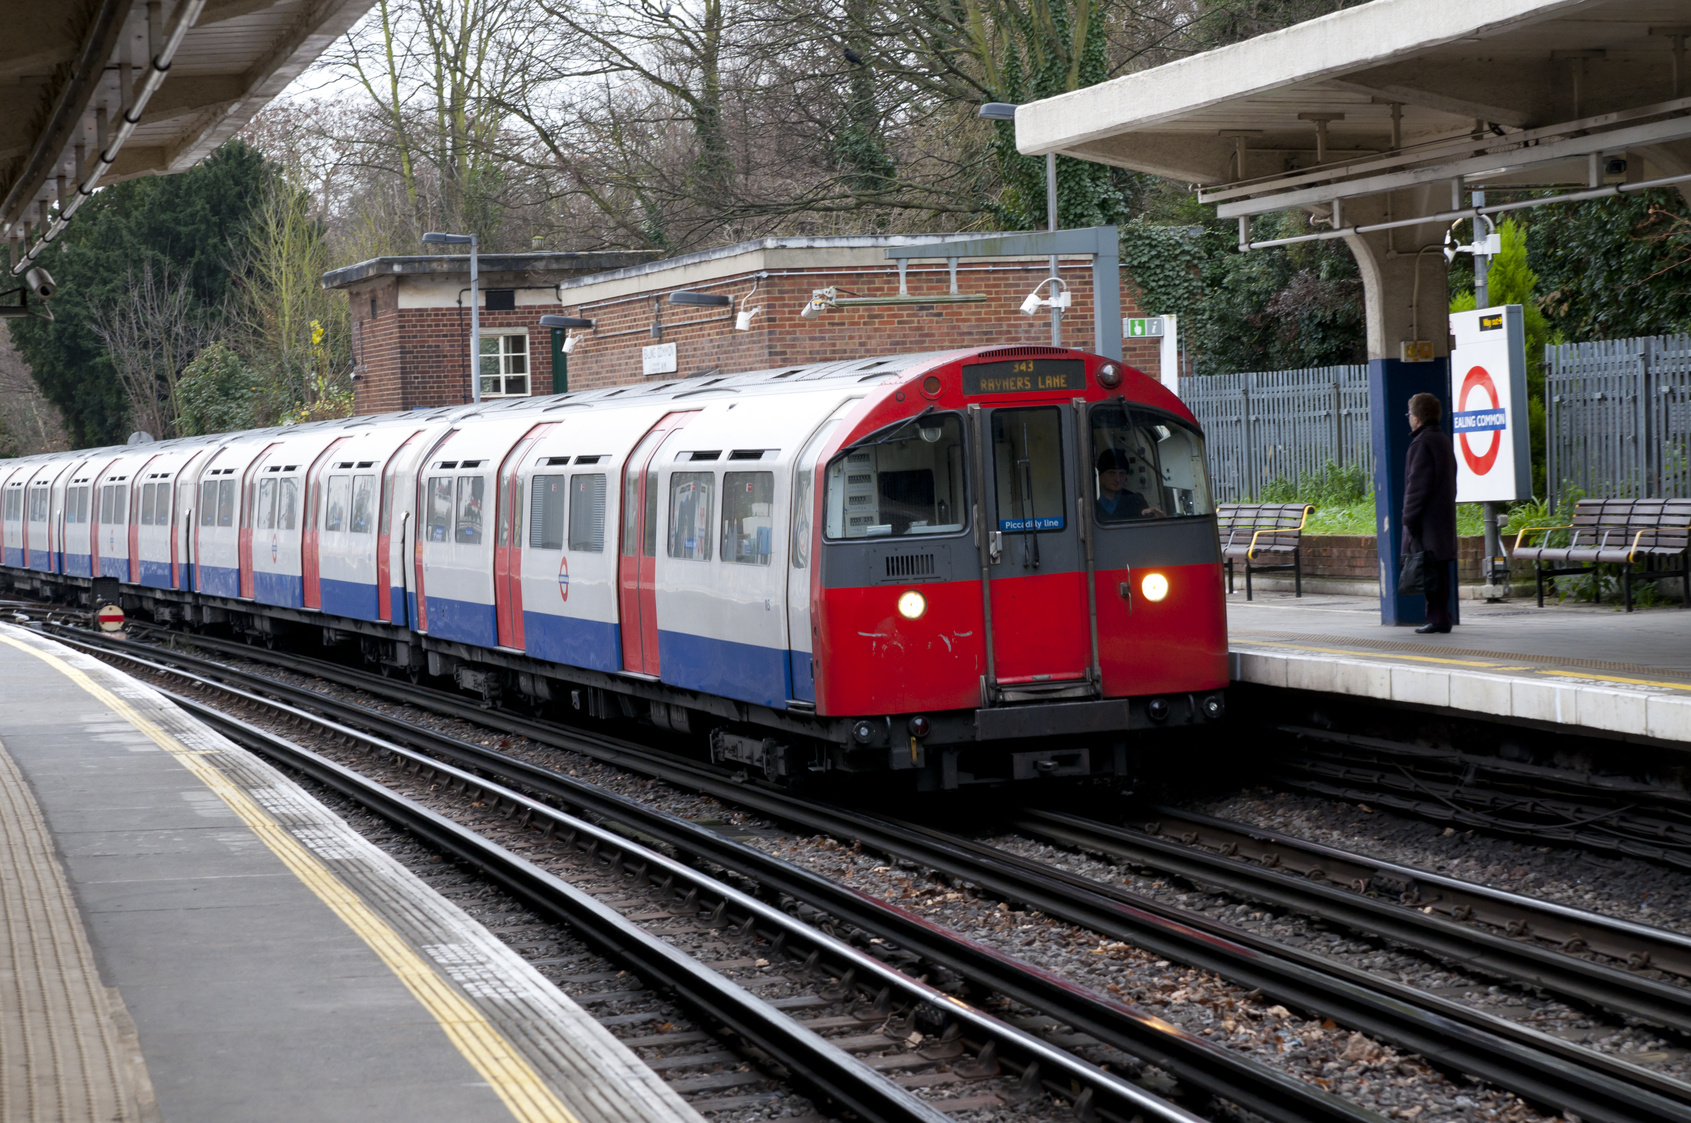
{"x": 60, "y": 1058}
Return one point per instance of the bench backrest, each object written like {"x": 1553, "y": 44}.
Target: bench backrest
{"x": 1271, "y": 524}
{"x": 1661, "y": 524}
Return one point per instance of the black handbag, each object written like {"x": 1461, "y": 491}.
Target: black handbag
{"x": 1412, "y": 578}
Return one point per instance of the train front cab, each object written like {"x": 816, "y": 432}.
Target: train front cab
{"x": 1020, "y": 573}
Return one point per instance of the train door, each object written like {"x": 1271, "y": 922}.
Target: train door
{"x": 637, "y": 566}
{"x": 800, "y": 644}
{"x": 385, "y": 608}
{"x": 249, "y": 493}
{"x": 310, "y": 559}
{"x": 508, "y": 546}
{"x": 1035, "y": 570}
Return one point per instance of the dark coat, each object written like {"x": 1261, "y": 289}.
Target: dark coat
{"x": 1429, "y": 494}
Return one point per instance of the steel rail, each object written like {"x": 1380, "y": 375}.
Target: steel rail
{"x": 1595, "y": 984}
{"x": 1536, "y": 1066}
{"x": 1200, "y": 1063}
{"x": 1638, "y": 945}
{"x": 813, "y": 1061}
{"x": 656, "y": 960}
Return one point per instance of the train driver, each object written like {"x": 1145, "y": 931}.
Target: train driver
{"x": 1115, "y": 503}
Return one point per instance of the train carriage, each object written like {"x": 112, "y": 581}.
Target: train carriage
{"x": 977, "y": 566}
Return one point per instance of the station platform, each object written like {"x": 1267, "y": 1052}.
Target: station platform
{"x": 186, "y": 934}
{"x": 1575, "y": 666}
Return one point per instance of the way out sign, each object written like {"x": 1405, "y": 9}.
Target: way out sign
{"x": 1488, "y": 402}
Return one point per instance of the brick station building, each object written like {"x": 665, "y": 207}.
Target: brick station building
{"x": 411, "y": 322}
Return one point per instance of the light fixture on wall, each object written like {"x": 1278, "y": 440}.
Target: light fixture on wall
{"x": 743, "y": 321}
{"x": 567, "y": 322}
{"x": 1035, "y": 302}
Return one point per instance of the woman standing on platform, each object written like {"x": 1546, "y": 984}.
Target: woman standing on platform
{"x": 1429, "y": 507}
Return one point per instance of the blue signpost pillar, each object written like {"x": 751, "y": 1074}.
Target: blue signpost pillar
{"x": 1391, "y": 383}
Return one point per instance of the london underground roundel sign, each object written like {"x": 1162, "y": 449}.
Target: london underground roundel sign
{"x": 1481, "y": 420}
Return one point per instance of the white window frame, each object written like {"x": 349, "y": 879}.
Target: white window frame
{"x": 505, "y": 373}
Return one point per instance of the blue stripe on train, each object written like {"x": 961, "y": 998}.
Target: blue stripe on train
{"x": 284, "y": 589}
{"x": 155, "y": 574}
{"x": 220, "y": 580}
{"x": 718, "y": 666}
{"x": 14, "y": 557}
{"x": 593, "y": 644}
{"x": 79, "y": 565}
{"x": 804, "y": 683}
{"x": 462, "y": 620}
{"x": 115, "y": 567}
{"x": 348, "y": 598}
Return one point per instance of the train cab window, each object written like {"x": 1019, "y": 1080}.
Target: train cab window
{"x": 226, "y": 501}
{"x": 547, "y": 501}
{"x": 363, "y": 504}
{"x": 748, "y": 523}
{"x": 691, "y": 496}
{"x": 906, "y": 484}
{"x": 1027, "y": 457}
{"x": 587, "y": 512}
{"x": 287, "y": 502}
{"x": 334, "y": 506}
{"x": 1146, "y": 465}
{"x": 440, "y": 508}
{"x": 470, "y": 491}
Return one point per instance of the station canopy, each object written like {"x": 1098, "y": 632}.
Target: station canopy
{"x": 95, "y": 91}
{"x": 1400, "y": 94}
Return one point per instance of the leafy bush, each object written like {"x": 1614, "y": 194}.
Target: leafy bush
{"x": 214, "y": 393}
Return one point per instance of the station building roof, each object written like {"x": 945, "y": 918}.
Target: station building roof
{"x": 1397, "y": 93}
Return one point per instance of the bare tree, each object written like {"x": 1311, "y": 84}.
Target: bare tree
{"x": 151, "y": 332}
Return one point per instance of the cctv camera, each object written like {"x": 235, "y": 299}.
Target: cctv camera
{"x": 1031, "y": 304}
{"x": 41, "y": 282}
{"x": 743, "y": 321}
{"x": 569, "y": 343}
{"x": 820, "y": 300}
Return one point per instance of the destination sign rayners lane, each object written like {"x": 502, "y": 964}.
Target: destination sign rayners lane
{"x": 1025, "y": 376}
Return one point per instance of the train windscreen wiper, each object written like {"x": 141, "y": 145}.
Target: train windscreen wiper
{"x": 885, "y": 433}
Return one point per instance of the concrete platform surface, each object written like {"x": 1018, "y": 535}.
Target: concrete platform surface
{"x": 275, "y": 963}
{"x": 1570, "y": 665}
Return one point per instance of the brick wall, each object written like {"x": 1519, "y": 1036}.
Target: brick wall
{"x": 411, "y": 357}
{"x": 1353, "y": 556}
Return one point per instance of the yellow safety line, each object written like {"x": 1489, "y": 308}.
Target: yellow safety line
{"x": 1617, "y": 678}
{"x": 516, "y": 1083}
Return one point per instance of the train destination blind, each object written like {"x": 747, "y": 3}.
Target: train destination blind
{"x": 1024, "y": 376}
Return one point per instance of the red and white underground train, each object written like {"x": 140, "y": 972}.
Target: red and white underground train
{"x": 973, "y": 566}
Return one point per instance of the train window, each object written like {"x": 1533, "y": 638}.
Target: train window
{"x": 470, "y": 491}
{"x": 287, "y": 502}
{"x": 265, "y": 518}
{"x": 363, "y": 504}
{"x": 1027, "y": 457}
{"x": 650, "y": 545}
{"x": 82, "y": 504}
{"x": 440, "y": 508}
{"x": 226, "y": 502}
{"x": 148, "y": 492}
{"x": 804, "y": 495}
{"x": 547, "y": 500}
{"x": 120, "y": 504}
{"x": 690, "y": 502}
{"x": 334, "y": 506}
{"x": 630, "y": 511}
{"x": 907, "y": 484}
{"x": 748, "y": 523}
{"x": 587, "y": 511}
{"x": 1146, "y": 465}
{"x": 208, "y": 503}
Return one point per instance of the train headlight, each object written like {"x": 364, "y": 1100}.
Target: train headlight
{"x": 1155, "y": 586}
{"x": 911, "y": 604}
{"x": 1109, "y": 376}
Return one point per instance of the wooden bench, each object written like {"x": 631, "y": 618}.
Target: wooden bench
{"x": 1254, "y": 531}
{"x": 1645, "y": 538}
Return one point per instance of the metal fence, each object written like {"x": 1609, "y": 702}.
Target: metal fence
{"x": 1618, "y": 417}
{"x": 1261, "y": 426}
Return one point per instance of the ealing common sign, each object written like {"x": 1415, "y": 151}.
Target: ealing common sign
{"x": 1488, "y": 396}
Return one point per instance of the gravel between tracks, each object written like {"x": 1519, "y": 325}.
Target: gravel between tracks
{"x": 1363, "y": 1070}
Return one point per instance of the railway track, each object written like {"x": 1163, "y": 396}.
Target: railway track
{"x": 1535, "y": 1066}
{"x": 1596, "y": 812}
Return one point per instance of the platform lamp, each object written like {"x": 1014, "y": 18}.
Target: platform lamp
{"x": 1006, "y": 111}
{"x": 564, "y": 323}
{"x": 436, "y": 238}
